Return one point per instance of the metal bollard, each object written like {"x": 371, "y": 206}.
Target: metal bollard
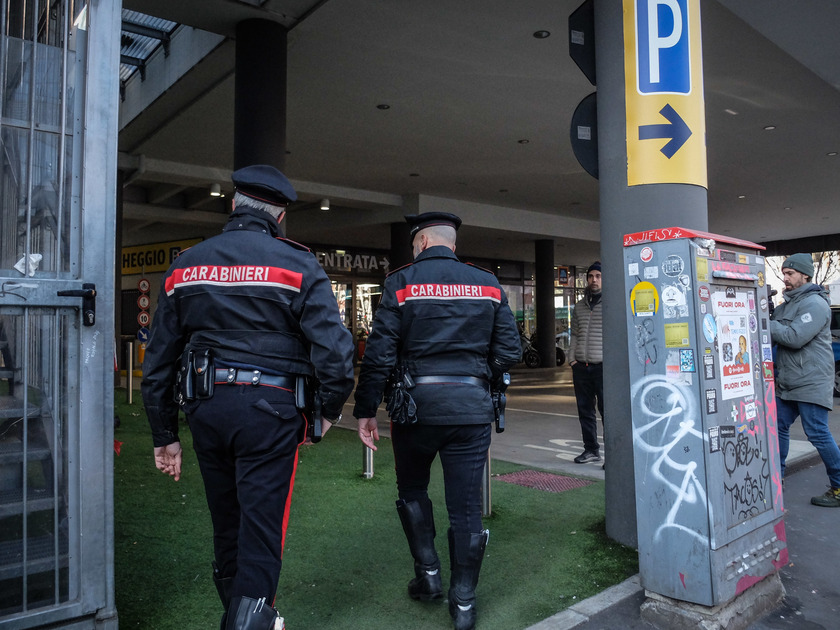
{"x": 367, "y": 462}
{"x": 486, "y": 502}
{"x": 129, "y": 372}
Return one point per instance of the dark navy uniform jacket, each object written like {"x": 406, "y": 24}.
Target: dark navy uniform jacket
{"x": 259, "y": 302}
{"x": 440, "y": 316}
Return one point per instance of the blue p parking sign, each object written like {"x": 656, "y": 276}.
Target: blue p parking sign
{"x": 663, "y": 58}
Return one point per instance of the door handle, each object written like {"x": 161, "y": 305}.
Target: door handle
{"x": 88, "y": 295}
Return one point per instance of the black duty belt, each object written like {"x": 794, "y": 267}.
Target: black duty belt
{"x": 234, "y": 376}
{"x": 443, "y": 380}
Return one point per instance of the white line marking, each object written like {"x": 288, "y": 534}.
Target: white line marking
{"x": 543, "y": 413}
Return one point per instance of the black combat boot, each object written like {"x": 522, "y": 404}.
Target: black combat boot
{"x": 223, "y": 586}
{"x": 418, "y": 523}
{"x": 247, "y": 613}
{"x": 466, "y": 551}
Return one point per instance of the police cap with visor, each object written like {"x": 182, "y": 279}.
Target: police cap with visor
{"x": 264, "y": 183}
{"x": 419, "y": 222}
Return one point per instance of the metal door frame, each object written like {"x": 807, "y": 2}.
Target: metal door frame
{"x": 90, "y": 358}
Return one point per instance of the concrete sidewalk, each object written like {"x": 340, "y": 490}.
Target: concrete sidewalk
{"x": 543, "y": 431}
{"x": 812, "y": 588}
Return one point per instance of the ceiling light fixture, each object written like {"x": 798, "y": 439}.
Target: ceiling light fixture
{"x": 215, "y": 190}
{"x": 383, "y": 106}
{"x": 542, "y": 34}
{"x": 731, "y": 112}
{"x": 325, "y": 204}
{"x": 769, "y": 127}
{"x": 523, "y": 141}
{"x": 831, "y": 153}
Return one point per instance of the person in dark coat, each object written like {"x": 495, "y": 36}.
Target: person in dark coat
{"x": 445, "y": 331}
{"x": 242, "y": 319}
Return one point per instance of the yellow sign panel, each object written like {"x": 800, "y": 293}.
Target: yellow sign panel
{"x": 153, "y": 257}
{"x": 702, "y": 269}
{"x": 644, "y": 300}
{"x": 663, "y": 70}
{"x": 676, "y": 335}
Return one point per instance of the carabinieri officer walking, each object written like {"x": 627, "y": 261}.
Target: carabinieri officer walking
{"x": 445, "y": 334}
{"x": 242, "y": 318}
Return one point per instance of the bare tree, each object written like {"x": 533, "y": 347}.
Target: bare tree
{"x": 826, "y": 266}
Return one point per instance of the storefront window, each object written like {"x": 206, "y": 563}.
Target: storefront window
{"x": 530, "y": 308}
{"x": 521, "y": 300}
{"x": 564, "y": 303}
{"x": 365, "y": 297}
{"x": 343, "y": 297}
{"x": 368, "y": 297}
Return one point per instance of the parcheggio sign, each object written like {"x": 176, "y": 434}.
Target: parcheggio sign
{"x": 153, "y": 257}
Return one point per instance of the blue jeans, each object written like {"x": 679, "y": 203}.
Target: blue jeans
{"x": 815, "y": 423}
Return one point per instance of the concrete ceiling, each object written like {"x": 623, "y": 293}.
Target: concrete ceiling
{"x": 467, "y": 85}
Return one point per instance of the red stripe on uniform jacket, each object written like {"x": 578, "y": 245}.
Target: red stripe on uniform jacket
{"x": 234, "y": 275}
{"x": 430, "y": 291}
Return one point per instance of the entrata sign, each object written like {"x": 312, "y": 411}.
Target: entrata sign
{"x": 666, "y": 126}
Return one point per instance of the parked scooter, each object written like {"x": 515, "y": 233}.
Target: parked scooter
{"x": 531, "y": 357}
{"x": 529, "y": 353}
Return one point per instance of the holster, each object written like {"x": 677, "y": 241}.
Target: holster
{"x": 497, "y": 393}
{"x": 308, "y": 402}
{"x": 196, "y": 376}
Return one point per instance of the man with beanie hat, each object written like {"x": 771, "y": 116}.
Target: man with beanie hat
{"x": 800, "y": 330}
{"x": 585, "y": 355}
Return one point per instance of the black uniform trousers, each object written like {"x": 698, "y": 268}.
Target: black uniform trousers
{"x": 463, "y": 452}
{"x": 246, "y": 440}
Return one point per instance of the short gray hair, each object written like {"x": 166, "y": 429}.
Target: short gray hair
{"x": 441, "y": 234}
{"x": 240, "y": 200}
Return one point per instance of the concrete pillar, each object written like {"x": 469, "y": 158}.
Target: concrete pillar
{"x": 259, "y": 126}
{"x": 544, "y": 296}
{"x": 625, "y": 209}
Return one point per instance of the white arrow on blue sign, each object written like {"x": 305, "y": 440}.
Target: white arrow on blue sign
{"x": 143, "y": 335}
{"x": 663, "y": 58}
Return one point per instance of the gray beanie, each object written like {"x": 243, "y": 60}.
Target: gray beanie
{"x": 803, "y": 263}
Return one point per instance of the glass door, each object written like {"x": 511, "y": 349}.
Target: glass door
{"x": 357, "y": 303}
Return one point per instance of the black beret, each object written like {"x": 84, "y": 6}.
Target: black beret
{"x": 428, "y": 219}
{"x": 264, "y": 183}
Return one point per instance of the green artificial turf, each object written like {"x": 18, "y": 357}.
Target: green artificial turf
{"x": 346, "y": 561}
